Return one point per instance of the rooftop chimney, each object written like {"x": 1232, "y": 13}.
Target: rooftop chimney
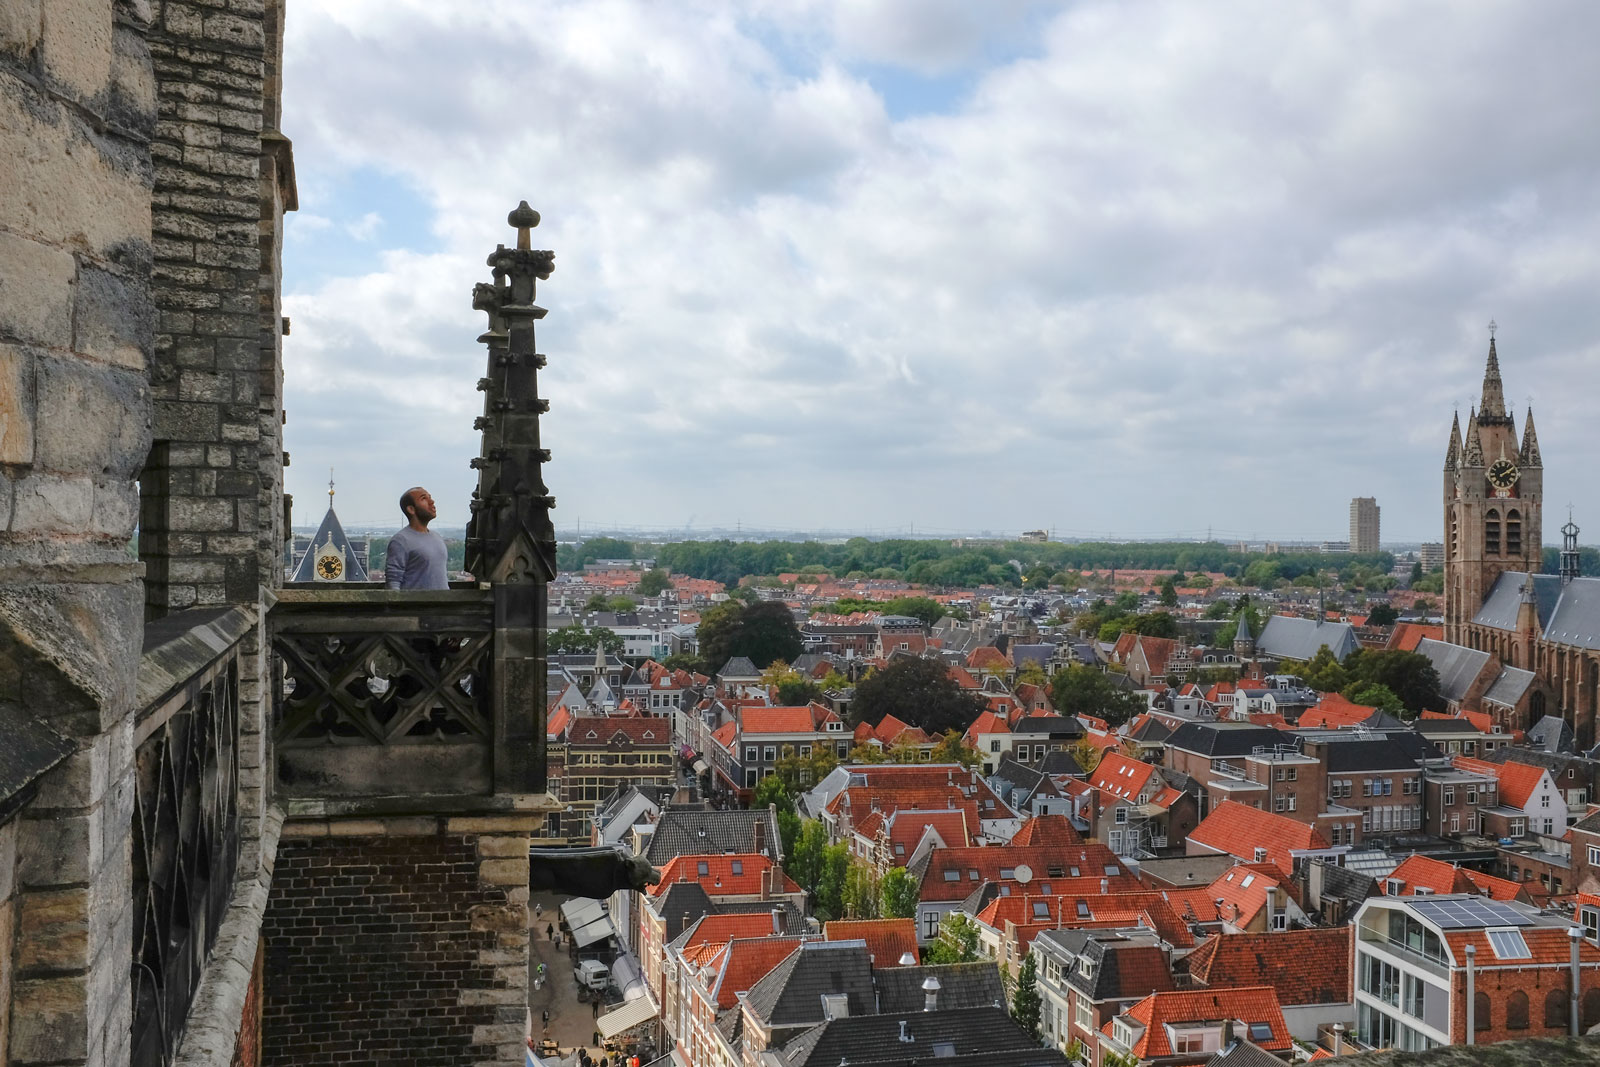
{"x": 930, "y": 991}
{"x": 907, "y": 960}
{"x": 905, "y": 1037}
{"x": 1105, "y": 886}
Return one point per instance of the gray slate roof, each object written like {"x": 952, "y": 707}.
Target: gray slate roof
{"x": 985, "y": 1036}
{"x": 1243, "y": 1054}
{"x": 330, "y": 530}
{"x": 1569, "y": 613}
{"x": 739, "y": 667}
{"x": 1289, "y": 637}
{"x": 1510, "y": 687}
{"x": 1458, "y": 666}
{"x": 1226, "y": 738}
{"x": 1550, "y": 734}
{"x": 791, "y": 993}
{"x": 684, "y": 831}
{"x": 1396, "y": 750}
{"x": 961, "y": 985}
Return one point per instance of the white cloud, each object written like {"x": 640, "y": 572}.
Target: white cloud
{"x": 1172, "y": 266}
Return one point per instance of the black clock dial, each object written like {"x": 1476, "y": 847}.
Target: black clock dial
{"x": 1503, "y": 474}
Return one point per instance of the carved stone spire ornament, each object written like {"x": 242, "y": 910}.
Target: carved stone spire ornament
{"x": 510, "y": 539}
{"x": 1492, "y": 405}
{"x": 1452, "y": 455}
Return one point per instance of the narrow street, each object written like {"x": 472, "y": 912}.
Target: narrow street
{"x": 572, "y": 1022}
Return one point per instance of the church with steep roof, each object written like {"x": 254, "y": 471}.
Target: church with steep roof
{"x": 329, "y": 556}
{"x": 1541, "y": 632}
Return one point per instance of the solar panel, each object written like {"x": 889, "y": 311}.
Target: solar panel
{"x": 1509, "y": 945}
{"x": 1468, "y": 913}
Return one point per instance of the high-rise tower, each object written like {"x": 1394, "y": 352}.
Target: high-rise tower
{"x": 1364, "y": 524}
{"x": 1493, "y": 491}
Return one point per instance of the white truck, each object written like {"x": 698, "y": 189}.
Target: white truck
{"x": 592, "y": 975}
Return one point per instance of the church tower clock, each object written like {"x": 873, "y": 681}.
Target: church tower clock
{"x": 1493, "y": 490}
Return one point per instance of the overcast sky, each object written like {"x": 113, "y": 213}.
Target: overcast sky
{"x": 1137, "y": 269}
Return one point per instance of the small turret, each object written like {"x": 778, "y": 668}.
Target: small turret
{"x": 1244, "y": 642}
{"x": 1472, "y": 452}
{"x": 1452, "y": 456}
{"x": 1530, "y": 443}
{"x": 1571, "y": 562}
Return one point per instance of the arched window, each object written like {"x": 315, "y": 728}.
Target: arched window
{"x": 1555, "y": 1009}
{"x": 1591, "y": 1008}
{"x": 1517, "y": 1011}
{"x": 1491, "y": 534}
{"x": 1513, "y": 533}
{"x": 1480, "y": 1011}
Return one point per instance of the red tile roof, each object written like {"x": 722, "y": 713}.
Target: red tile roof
{"x": 964, "y": 678}
{"x": 1408, "y": 635}
{"x": 720, "y": 929}
{"x": 719, "y": 878}
{"x": 1157, "y": 1012}
{"x": 784, "y": 720}
{"x": 1517, "y": 780}
{"x": 1334, "y": 711}
{"x": 887, "y": 939}
{"x": 988, "y": 658}
{"x": 1302, "y": 966}
{"x": 745, "y": 962}
{"x": 723, "y": 735}
{"x": 1076, "y": 911}
{"x": 976, "y": 865}
{"x": 609, "y": 729}
{"x": 1548, "y": 946}
{"x": 1047, "y": 830}
{"x": 1437, "y": 876}
{"x": 907, "y": 828}
{"x": 1121, "y": 776}
{"x": 1238, "y": 830}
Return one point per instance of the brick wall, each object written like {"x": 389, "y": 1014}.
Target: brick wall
{"x": 247, "y": 1047}
{"x": 402, "y": 941}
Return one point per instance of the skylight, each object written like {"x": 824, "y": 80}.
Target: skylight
{"x": 1260, "y": 1032}
{"x": 1509, "y": 945}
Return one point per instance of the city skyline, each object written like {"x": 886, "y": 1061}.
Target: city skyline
{"x": 1104, "y": 269}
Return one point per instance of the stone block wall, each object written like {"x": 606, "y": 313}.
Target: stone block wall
{"x": 400, "y": 940}
{"x": 77, "y": 111}
{"x": 203, "y": 494}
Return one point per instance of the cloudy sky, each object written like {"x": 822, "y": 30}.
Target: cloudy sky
{"x": 1138, "y": 269}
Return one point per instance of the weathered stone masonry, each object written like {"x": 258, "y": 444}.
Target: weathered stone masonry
{"x": 398, "y": 941}
{"x": 77, "y": 108}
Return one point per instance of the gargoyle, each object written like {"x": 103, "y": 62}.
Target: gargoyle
{"x": 588, "y": 872}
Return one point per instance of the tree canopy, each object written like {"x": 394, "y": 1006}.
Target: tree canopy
{"x": 574, "y": 639}
{"x": 1410, "y": 676}
{"x": 919, "y": 692}
{"x": 1082, "y": 690}
{"x": 763, "y": 632}
{"x": 654, "y": 582}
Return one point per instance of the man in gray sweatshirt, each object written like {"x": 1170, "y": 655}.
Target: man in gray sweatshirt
{"x": 416, "y": 558}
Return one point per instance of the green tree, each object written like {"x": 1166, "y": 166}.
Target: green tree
{"x": 832, "y": 875}
{"x": 919, "y": 692}
{"x": 862, "y": 897}
{"x": 1411, "y": 676}
{"x": 868, "y": 754}
{"x": 1429, "y": 583}
{"x": 767, "y": 633}
{"x": 1416, "y": 570}
{"x": 620, "y": 603}
{"x": 1376, "y": 695}
{"x": 1026, "y": 1002}
{"x": 681, "y": 661}
{"x": 1225, "y": 636}
{"x": 800, "y": 773}
{"x": 1031, "y": 673}
{"x": 1155, "y": 624}
{"x": 654, "y": 582}
{"x": 1321, "y": 672}
{"x": 957, "y": 941}
{"x": 1382, "y": 615}
{"x": 1220, "y": 609}
{"x": 745, "y": 594}
{"x": 597, "y": 602}
{"x": 774, "y": 791}
{"x": 1169, "y": 594}
{"x": 1198, "y": 581}
{"x": 719, "y": 628}
{"x": 899, "y": 894}
{"x": 1086, "y": 754}
{"x": 1082, "y": 690}
{"x": 951, "y": 749}
{"x": 805, "y": 860}
{"x": 576, "y": 640}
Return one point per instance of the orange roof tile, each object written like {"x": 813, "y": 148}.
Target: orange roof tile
{"x": 1406, "y": 636}
{"x": 745, "y": 962}
{"x": 1302, "y": 966}
{"x": 1238, "y": 830}
{"x": 1121, "y": 776}
{"x": 1334, "y": 711}
{"x": 887, "y": 939}
{"x": 1517, "y": 780}
{"x": 784, "y": 720}
{"x": 724, "y": 875}
{"x": 1160, "y": 1011}
{"x": 1047, "y": 830}
{"x": 988, "y": 658}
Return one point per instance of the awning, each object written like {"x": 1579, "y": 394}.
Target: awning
{"x": 589, "y": 933}
{"x": 581, "y": 911}
{"x": 633, "y": 1013}
{"x": 700, "y": 767}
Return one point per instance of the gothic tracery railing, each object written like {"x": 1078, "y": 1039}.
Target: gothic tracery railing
{"x": 185, "y": 833}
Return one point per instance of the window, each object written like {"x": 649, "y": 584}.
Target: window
{"x": 972, "y": 874}
{"x": 1449, "y": 795}
{"x": 1472, "y": 796}
{"x": 1388, "y": 786}
{"x": 1590, "y": 918}
{"x": 952, "y": 876}
{"x": 1518, "y": 828}
{"x": 770, "y": 753}
{"x": 805, "y": 750}
{"x": 1008, "y": 872}
{"x": 1292, "y": 799}
{"x": 1366, "y": 787}
{"x": 1260, "y": 1032}
{"x": 750, "y": 777}
{"x": 1083, "y": 909}
{"x": 1594, "y": 855}
{"x": 751, "y": 754}
{"x": 994, "y": 746}
{"x": 930, "y": 923}
{"x": 1189, "y": 1041}
{"x": 1509, "y": 945}
{"x": 1083, "y": 1012}
{"x": 702, "y": 868}
{"x": 1041, "y": 909}
{"x": 1517, "y": 1011}
{"x": 1121, "y": 815}
{"x": 1480, "y": 1011}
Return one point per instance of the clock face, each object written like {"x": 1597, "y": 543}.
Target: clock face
{"x": 330, "y": 567}
{"x": 1503, "y": 474}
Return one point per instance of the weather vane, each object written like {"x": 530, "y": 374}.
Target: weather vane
{"x": 330, "y": 488}
{"x": 1492, "y": 328}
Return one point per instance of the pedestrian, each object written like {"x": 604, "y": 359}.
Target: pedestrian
{"x": 550, "y": 932}
{"x": 597, "y": 1033}
{"x": 416, "y": 557}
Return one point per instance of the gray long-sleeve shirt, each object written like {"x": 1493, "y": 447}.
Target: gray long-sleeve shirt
{"x": 416, "y": 560}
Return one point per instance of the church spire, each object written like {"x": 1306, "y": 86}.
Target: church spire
{"x": 1453, "y": 456}
{"x": 1493, "y": 403}
{"x": 1530, "y": 442}
{"x": 1472, "y": 452}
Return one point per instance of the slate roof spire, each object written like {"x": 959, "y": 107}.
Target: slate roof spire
{"x": 1530, "y": 442}
{"x": 1493, "y": 403}
{"x": 330, "y": 541}
{"x": 1453, "y": 455}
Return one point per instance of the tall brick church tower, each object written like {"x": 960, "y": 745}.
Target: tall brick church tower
{"x": 1493, "y": 491}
